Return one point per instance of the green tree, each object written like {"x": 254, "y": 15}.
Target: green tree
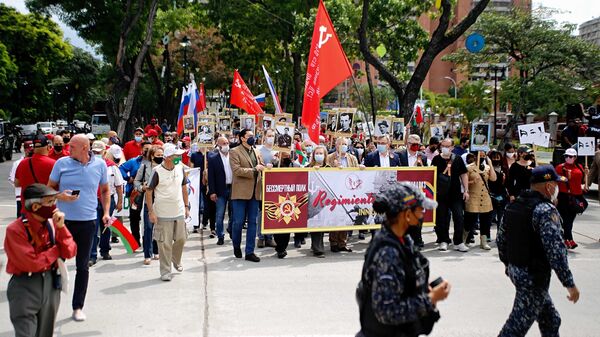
{"x": 541, "y": 51}
{"x": 474, "y": 99}
{"x": 33, "y": 48}
{"x": 392, "y": 23}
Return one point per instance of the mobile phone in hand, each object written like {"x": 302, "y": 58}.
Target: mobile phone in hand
{"x": 436, "y": 282}
{"x": 76, "y": 192}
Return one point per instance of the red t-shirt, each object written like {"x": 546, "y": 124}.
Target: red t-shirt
{"x": 155, "y": 127}
{"x": 132, "y": 149}
{"x": 42, "y": 167}
{"x": 57, "y": 156}
{"x": 575, "y": 176}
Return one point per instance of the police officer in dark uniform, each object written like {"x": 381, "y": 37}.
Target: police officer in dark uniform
{"x": 530, "y": 244}
{"x": 393, "y": 295}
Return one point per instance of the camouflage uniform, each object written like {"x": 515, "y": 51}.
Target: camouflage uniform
{"x": 533, "y": 302}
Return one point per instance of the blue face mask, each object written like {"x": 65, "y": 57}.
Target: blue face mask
{"x": 344, "y": 148}
{"x": 251, "y": 141}
{"x": 309, "y": 149}
{"x": 381, "y": 148}
{"x": 138, "y": 138}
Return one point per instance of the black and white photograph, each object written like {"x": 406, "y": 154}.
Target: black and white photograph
{"x": 399, "y": 130}
{"x": 344, "y": 125}
{"x": 383, "y": 126}
{"x": 247, "y": 122}
{"x": 206, "y": 134}
{"x": 224, "y": 125}
{"x": 188, "y": 124}
{"x": 283, "y": 118}
{"x": 437, "y": 130}
{"x": 284, "y": 136}
{"x": 480, "y": 137}
{"x": 331, "y": 122}
{"x": 265, "y": 122}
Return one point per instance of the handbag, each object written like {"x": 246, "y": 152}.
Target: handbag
{"x": 578, "y": 203}
{"x": 137, "y": 198}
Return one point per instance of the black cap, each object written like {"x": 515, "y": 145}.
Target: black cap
{"x": 383, "y": 122}
{"x": 545, "y": 173}
{"x": 40, "y": 141}
{"x": 36, "y": 191}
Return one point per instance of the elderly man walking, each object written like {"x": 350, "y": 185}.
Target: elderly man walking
{"x": 167, "y": 202}
{"x": 78, "y": 178}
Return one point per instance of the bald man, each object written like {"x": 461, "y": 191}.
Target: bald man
{"x": 58, "y": 148}
{"x": 78, "y": 178}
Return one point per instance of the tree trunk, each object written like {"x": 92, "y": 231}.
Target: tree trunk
{"x": 138, "y": 70}
{"x": 298, "y": 84}
{"x": 371, "y": 92}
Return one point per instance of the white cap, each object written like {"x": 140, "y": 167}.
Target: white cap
{"x": 116, "y": 151}
{"x": 171, "y": 150}
{"x": 104, "y": 140}
{"x": 91, "y": 136}
{"x": 570, "y": 152}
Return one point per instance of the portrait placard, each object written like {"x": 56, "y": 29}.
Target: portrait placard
{"x": 224, "y": 125}
{"x": 383, "y": 126}
{"x": 284, "y": 118}
{"x": 206, "y": 134}
{"x": 480, "y": 136}
{"x": 284, "y": 136}
{"x": 399, "y": 130}
{"x": 586, "y": 146}
{"x": 332, "y": 117}
{"x": 247, "y": 122}
{"x": 345, "y": 122}
{"x": 188, "y": 124}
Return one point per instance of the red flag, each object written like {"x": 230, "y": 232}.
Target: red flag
{"x": 327, "y": 66}
{"x": 242, "y": 97}
{"x": 419, "y": 115}
{"x": 202, "y": 99}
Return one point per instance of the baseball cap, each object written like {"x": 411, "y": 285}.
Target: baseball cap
{"x": 400, "y": 196}
{"x": 570, "y": 152}
{"x": 138, "y": 130}
{"x": 28, "y": 146}
{"x": 545, "y": 173}
{"x": 90, "y": 136}
{"x": 524, "y": 149}
{"x": 152, "y": 133}
{"x": 171, "y": 150}
{"x": 116, "y": 151}
{"x": 36, "y": 191}
{"x": 186, "y": 139}
{"x": 98, "y": 146}
{"x": 40, "y": 141}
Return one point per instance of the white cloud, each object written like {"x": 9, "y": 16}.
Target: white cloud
{"x": 573, "y": 11}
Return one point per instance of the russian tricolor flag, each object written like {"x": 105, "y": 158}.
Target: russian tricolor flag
{"x": 278, "y": 109}
{"x": 260, "y": 99}
{"x": 183, "y": 108}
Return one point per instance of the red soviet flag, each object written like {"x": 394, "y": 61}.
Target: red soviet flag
{"x": 202, "y": 99}
{"x": 242, "y": 97}
{"x": 327, "y": 66}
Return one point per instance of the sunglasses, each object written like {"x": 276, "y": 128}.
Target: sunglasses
{"x": 568, "y": 156}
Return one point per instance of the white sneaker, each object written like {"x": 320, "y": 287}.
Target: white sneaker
{"x": 166, "y": 277}
{"x": 461, "y": 248}
{"x": 443, "y": 247}
{"x": 78, "y": 315}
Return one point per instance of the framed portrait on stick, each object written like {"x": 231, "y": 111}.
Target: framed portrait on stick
{"x": 248, "y": 122}
{"x": 284, "y": 118}
{"x": 224, "y": 125}
{"x": 480, "y": 136}
{"x": 331, "y": 122}
{"x": 284, "y": 136}
{"x": 265, "y": 122}
{"x": 399, "y": 129}
{"x": 206, "y": 133}
{"x": 383, "y": 126}
{"x": 188, "y": 124}
{"x": 345, "y": 122}
{"x": 206, "y": 119}
{"x": 437, "y": 130}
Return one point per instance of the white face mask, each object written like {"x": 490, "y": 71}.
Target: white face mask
{"x": 319, "y": 158}
{"x": 224, "y": 149}
{"x": 270, "y": 140}
{"x": 555, "y": 194}
{"x": 510, "y": 155}
{"x": 360, "y": 151}
{"x": 445, "y": 151}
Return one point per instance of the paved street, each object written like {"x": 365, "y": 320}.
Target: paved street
{"x": 218, "y": 295}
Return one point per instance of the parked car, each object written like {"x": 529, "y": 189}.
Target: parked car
{"x": 47, "y": 127}
{"x": 28, "y": 131}
{"x": 81, "y": 126}
{"x": 6, "y": 140}
{"x": 100, "y": 124}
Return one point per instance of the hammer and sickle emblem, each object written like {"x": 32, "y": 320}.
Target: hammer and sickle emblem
{"x": 322, "y": 31}
{"x": 237, "y": 84}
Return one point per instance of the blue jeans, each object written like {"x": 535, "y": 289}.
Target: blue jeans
{"x": 149, "y": 245}
{"x": 240, "y": 208}
{"x": 221, "y": 204}
{"x": 104, "y": 234}
{"x": 267, "y": 237}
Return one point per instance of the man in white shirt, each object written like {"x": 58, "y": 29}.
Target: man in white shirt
{"x": 220, "y": 178}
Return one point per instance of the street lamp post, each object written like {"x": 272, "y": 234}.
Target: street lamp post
{"x": 185, "y": 43}
{"x": 496, "y": 69}
{"x": 453, "y": 82}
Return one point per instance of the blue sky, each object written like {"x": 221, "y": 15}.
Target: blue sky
{"x": 572, "y": 11}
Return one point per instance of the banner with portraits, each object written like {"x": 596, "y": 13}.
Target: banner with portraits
{"x": 399, "y": 131}
{"x": 284, "y": 136}
{"x": 332, "y": 199}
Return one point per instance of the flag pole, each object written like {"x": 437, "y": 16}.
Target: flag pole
{"x": 362, "y": 104}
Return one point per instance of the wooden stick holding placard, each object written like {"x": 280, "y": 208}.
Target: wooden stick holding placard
{"x": 280, "y": 159}
{"x": 585, "y": 173}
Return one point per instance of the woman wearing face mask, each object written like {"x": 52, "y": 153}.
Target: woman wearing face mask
{"x": 519, "y": 173}
{"x": 153, "y": 158}
{"x": 394, "y": 296}
{"x": 316, "y": 238}
{"x": 360, "y": 151}
{"x": 479, "y": 205}
{"x": 571, "y": 190}
{"x": 498, "y": 190}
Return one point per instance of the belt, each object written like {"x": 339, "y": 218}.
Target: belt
{"x": 30, "y": 274}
